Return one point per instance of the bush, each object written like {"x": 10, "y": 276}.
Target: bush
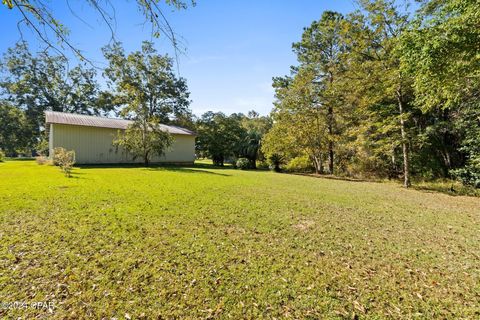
{"x": 2, "y": 156}
{"x": 263, "y": 165}
{"x": 42, "y": 147}
{"x": 41, "y": 160}
{"x": 232, "y": 161}
{"x": 275, "y": 160}
{"x": 468, "y": 176}
{"x": 64, "y": 159}
{"x": 243, "y": 164}
{"x": 299, "y": 164}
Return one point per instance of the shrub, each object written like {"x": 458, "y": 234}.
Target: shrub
{"x": 41, "y": 160}
{"x": 2, "y": 156}
{"x": 232, "y": 161}
{"x": 275, "y": 161}
{"x": 468, "y": 176}
{"x": 243, "y": 164}
{"x": 42, "y": 147}
{"x": 64, "y": 159}
{"x": 299, "y": 164}
{"x": 262, "y": 165}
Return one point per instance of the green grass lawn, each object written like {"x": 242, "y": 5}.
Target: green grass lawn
{"x": 202, "y": 242}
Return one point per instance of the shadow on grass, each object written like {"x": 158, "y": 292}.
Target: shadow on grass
{"x": 20, "y": 159}
{"x": 446, "y": 187}
{"x": 195, "y": 168}
{"x": 450, "y": 192}
{"x": 453, "y": 190}
{"x": 76, "y": 175}
{"x": 325, "y": 176}
{"x": 185, "y": 170}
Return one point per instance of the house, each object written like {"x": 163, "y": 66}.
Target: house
{"x": 92, "y": 139}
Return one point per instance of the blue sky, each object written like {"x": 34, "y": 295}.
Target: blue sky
{"x": 233, "y": 48}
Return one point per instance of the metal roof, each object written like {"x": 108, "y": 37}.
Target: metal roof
{"x": 101, "y": 122}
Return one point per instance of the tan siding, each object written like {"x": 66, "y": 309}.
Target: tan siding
{"x": 50, "y": 139}
{"x": 94, "y": 145}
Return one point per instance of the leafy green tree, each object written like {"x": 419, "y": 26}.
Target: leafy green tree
{"x": 256, "y": 127}
{"x": 383, "y": 94}
{"x": 40, "y": 18}
{"x": 301, "y": 117}
{"x": 146, "y": 78}
{"x": 144, "y": 138}
{"x": 14, "y": 130}
{"x": 469, "y": 125}
{"x": 145, "y": 87}
{"x": 321, "y": 48}
{"x": 37, "y": 83}
{"x": 440, "y": 51}
{"x": 278, "y": 145}
{"x": 220, "y": 137}
{"x": 250, "y": 147}
{"x": 374, "y": 72}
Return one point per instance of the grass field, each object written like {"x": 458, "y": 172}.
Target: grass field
{"x": 202, "y": 242}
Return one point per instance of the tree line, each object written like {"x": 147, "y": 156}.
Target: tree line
{"x": 384, "y": 92}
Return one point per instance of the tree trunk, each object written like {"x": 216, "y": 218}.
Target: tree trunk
{"x": 330, "y": 120}
{"x": 253, "y": 163}
{"x": 405, "y": 148}
{"x": 145, "y": 159}
{"x": 330, "y": 157}
{"x": 318, "y": 164}
{"x": 330, "y": 141}
{"x": 277, "y": 166}
{"x": 144, "y": 142}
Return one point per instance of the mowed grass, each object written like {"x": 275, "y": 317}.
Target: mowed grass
{"x": 202, "y": 242}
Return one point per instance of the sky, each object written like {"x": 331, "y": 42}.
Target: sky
{"x": 233, "y": 48}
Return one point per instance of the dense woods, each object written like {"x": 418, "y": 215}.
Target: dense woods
{"x": 387, "y": 91}
{"x": 384, "y": 92}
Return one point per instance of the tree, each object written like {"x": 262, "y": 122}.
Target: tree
{"x": 278, "y": 145}
{"x": 14, "y": 130}
{"x": 374, "y": 67}
{"x": 223, "y": 137}
{"x": 384, "y": 95}
{"x": 220, "y": 137}
{"x": 146, "y": 78}
{"x": 65, "y": 159}
{"x": 38, "y": 16}
{"x": 144, "y": 138}
{"x": 321, "y": 48}
{"x": 301, "y": 117}
{"x": 469, "y": 124}
{"x": 441, "y": 53}
{"x": 148, "y": 92}
{"x": 37, "y": 83}
{"x": 256, "y": 127}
